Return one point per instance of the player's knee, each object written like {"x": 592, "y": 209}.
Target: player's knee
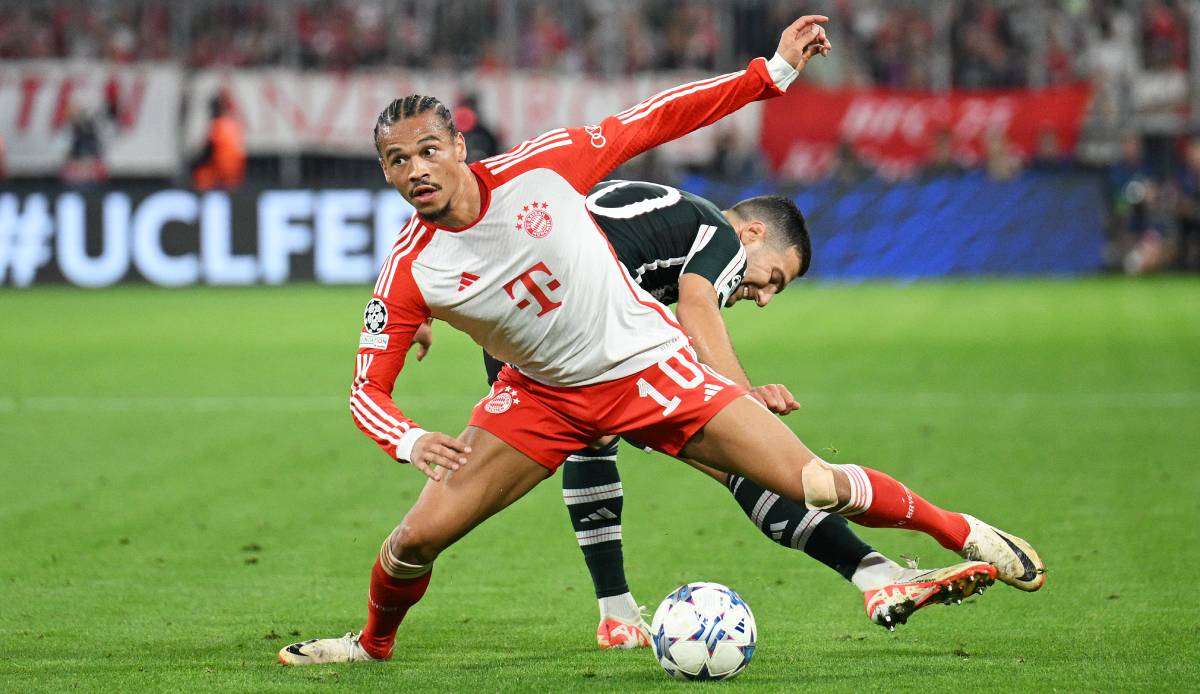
{"x": 410, "y": 544}
{"x": 822, "y": 490}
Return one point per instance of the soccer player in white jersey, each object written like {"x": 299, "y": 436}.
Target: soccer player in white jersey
{"x": 506, "y": 251}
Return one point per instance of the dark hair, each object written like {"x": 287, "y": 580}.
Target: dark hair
{"x": 413, "y": 105}
{"x": 784, "y": 221}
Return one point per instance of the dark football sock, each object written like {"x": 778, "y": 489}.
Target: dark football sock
{"x": 592, "y": 492}
{"x": 825, "y": 537}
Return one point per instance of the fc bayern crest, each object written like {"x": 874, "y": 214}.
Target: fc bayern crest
{"x": 534, "y": 219}
{"x": 375, "y": 317}
{"x": 500, "y": 402}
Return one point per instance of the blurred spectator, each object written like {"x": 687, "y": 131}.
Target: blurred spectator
{"x": 1164, "y": 35}
{"x": 1049, "y": 154}
{"x": 848, "y": 168}
{"x": 481, "y": 141}
{"x": 3, "y": 159}
{"x": 85, "y": 156}
{"x": 1189, "y": 207}
{"x": 221, "y": 163}
{"x": 1110, "y": 60}
{"x": 943, "y": 161}
{"x": 1001, "y": 161}
{"x": 648, "y": 166}
{"x": 1151, "y": 231}
{"x": 1140, "y": 220}
{"x": 985, "y": 51}
{"x": 733, "y": 162}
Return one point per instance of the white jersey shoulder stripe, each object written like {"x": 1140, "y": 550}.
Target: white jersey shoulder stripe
{"x": 667, "y": 92}
{"x": 533, "y": 152}
{"x": 387, "y": 264}
{"x": 404, "y": 251}
{"x": 516, "y": 151}
{"x": 668, "y": 99}
{"x": 524, "y": 146}
{"x": 703, "y": 236}
{"x": 731, "y": 270}
{"x": 401, "y": 239}
{"x": 674, "y": 92}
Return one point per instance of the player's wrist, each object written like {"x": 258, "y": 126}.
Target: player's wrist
{"x": 782, "y": 72}
{"x": 405, "y": 446}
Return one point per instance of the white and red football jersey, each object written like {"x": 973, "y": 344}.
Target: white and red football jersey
{"x": 532, "y": 279}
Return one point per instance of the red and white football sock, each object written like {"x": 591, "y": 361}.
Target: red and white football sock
{"x": 878, "y": 501}
{"x": 387, "y": 603}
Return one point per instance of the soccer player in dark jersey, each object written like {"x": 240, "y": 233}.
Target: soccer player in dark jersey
{"x": 686, "y": 251}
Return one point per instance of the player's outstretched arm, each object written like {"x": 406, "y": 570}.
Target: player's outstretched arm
{"x": 379, "y": 362}
{"x": 595, "y": 151}
{"x": 395, "y": 317}
{"x": 699, "y": 313}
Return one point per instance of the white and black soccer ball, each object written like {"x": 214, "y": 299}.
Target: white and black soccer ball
{"x": 703, "y": 631}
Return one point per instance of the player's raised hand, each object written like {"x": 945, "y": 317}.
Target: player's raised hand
{"x": 776, "y": 398}
{"x": 803, "y": 39}
{"x": 436, "y": 450}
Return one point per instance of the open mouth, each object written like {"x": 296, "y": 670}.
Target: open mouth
{"x": 424, "y": 192}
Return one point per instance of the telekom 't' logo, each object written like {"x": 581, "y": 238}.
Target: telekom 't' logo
{"x": 535, "y": 290}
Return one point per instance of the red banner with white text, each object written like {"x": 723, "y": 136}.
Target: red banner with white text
{"x": 131, "y": 113}
{"x": 896, "y": 130}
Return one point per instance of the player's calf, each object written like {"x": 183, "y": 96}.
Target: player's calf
{"x": 823, "y": 536}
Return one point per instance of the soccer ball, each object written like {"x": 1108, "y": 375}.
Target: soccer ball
{"x": 703, "y": 631}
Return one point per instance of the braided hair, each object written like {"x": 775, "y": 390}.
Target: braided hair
{"x": 413, "y": 105}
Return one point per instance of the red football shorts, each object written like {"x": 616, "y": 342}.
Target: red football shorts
{"x": 660, "y": 407}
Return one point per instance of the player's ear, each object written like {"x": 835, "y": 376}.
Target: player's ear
{"x": 754, "y": 231}
{"x": 460, "y": 148}
{"x": 383, "y": 167}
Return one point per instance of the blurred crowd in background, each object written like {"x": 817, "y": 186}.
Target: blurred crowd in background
{"x": 1152, "y": 174}
{"x": 898, "y": 43}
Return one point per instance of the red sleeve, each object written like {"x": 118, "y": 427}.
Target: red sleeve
{"x": 584, "y": 156}
{"x": 389, "y": 323}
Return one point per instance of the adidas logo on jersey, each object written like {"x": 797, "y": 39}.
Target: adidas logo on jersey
{"x": 466, "y": 280}
{"x": 599, "y": 515}
{"x": 710, "y": 390}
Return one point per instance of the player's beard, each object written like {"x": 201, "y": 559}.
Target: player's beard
{"x": 438, "y": 214}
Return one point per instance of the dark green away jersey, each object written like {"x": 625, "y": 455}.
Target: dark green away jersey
{"x": 660, "y": 233}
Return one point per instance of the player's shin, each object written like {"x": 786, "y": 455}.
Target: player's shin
{"x": 594, "y": 498}
{"x": 395, "y": 587}
{"x": 823, "y": 536}
{"x": 873, "y": 499}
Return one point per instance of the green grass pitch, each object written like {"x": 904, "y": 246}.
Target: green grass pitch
{"x": 184, "y": 492}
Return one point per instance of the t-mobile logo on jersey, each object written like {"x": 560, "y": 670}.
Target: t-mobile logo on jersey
{"x": 536, "y": 291}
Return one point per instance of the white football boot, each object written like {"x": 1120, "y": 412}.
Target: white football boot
{"x": 1015, "y": 561}
{"x": 320, "y": 651}
{"x": 892, "y": 604}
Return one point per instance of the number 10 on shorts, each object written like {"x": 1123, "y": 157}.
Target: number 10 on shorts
{"x": 687, "y": 376}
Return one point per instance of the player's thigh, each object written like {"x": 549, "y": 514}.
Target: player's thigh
{"x": 496, "y": 475}
{"x": 746, "y": 439}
